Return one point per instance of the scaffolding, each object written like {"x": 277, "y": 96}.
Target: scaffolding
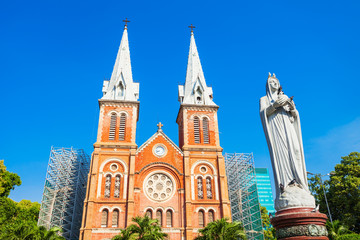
{"x": 243, "y": 194}
{"x": 64, "y": 191}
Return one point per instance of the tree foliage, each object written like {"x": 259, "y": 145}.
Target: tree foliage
{"x": 144, "y": 228}
{"x": 222, "y": 229}
{"x": 269, "y": 231}
{"x": 336, "y": 229}
{"x": 18, "y": 220}
{"x": 342, "y": 191}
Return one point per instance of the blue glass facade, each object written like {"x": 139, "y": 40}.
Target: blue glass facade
{"x": 264, "y": 189}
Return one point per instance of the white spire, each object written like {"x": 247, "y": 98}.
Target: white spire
{"x": 195, "y": 90}
{"x": 121, "y": 85}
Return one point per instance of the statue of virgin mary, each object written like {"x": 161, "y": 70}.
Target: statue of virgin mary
{"x": 281, "y": 124}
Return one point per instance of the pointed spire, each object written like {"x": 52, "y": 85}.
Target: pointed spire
{"x": 195, "y": 90}
{"x": 121, "y": 85}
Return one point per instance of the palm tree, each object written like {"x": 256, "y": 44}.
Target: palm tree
{"x": 52, "y": 234}
{"x": 144, "y": 229}
{"x": 26, "y": 231}
{"x": 335, "y": 229}
{"x": 222, "y": 229}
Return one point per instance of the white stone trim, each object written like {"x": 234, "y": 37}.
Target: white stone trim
{"x": 170, "y": 208}
{"x": 105, "y": 230}
{"x": 167, "y": 174}
{"x": 198, "y": 175}
{"x": 149, "y": 208}
{"x": 208, "y": 175}
{"x": 105, "y": 207}
{"x": 153, "y": 137}
{"x": 116, "y": 207}
{"x": 215, "y": 178}
{"x": 116, "y": 160}
{"x": 211, "y": 208}
{"x": 200, "y": 208}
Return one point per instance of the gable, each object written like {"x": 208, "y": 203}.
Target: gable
{"x": 159, "y": 137}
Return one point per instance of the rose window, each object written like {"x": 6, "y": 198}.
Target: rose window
{"x": 159, "y": 187}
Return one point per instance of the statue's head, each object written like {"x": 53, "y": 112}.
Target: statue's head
{"x": 273, "y": 83}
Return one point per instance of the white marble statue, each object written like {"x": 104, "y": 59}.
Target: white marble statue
{"x": 281, "y": 124}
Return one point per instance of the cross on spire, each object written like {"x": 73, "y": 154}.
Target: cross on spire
{"x": 159, "y": 125}
{"x": 192, "y": 28}
{"x": 126, "y": 22}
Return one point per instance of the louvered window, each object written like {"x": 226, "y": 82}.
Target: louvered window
{"x": 115, "y": 218}
{"x": 104, "y": 218}
{"x": 211, "y": 216}
{"x": 107, "y": 186}
{"x": 122, "y": 127}
{"x": 201, "y": 218}
{"x": 208, "y": 188}
{"x": 117, "y": 187}
{"x": 159, "y": 217}
{"x": 197, "y": 130}
{"x": 149, "y": 213}
{"x": 200, "y": 188}
{"x": 112, "y": 126}
{"x": 169, "y": 218}
{"x": 206, "y": 130}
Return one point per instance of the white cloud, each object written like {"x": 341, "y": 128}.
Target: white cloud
{"x": 323, "y": 153}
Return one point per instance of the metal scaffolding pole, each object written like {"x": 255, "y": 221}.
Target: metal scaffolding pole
{"x": 243, "y": 194}
{"x": 64, "y": 191}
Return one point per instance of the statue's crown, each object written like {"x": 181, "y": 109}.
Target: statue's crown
{"x": 273, "y": 76}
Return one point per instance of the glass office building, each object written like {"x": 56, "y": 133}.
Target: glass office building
{"x": 264, "y": 189}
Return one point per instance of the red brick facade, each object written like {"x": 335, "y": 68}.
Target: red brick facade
{"x": 185, "y": 185}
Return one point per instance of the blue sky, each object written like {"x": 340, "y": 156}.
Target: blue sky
{"x": 55, "y": 55}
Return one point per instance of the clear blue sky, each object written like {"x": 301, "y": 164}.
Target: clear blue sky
{"x": 55, "y": 55}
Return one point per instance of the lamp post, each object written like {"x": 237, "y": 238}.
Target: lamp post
{"x": 321, "y": 183}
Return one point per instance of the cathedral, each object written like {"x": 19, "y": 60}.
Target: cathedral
{"x": 183, "y": 186}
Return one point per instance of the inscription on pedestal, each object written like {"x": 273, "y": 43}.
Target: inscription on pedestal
{"x": 310, "y": 230}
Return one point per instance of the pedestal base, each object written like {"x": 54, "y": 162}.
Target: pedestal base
{"x": 300, "y": 223}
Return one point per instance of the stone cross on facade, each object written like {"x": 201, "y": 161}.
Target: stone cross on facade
{"x": 159, "y": 125}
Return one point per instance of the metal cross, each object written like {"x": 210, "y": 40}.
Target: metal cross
{"x": 159, "y": 125}
{"x": 126, "y": 22}
{"x": 192, "y": 28}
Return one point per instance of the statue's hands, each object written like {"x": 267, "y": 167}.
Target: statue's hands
{"x": 281, "y": 101}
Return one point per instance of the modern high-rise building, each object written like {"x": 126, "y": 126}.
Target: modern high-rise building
{"x": 264, "y": 189}
{"x": 183, "y": 186}
{"x": 64, "y": 191}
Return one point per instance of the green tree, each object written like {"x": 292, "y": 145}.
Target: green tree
{"x": 336, "y": 229}
{"x": 267, "y": 227}
{"x": 8, "y": 180}
{"x": 144, "y": 228}
{"x": 342, "y": 191}
{"x": 222, "y": 229}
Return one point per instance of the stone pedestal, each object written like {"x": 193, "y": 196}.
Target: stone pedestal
{"x": 300, "y": 223}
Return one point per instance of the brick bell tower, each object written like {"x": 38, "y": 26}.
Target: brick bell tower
{"x": 110, "y": 192}
{"x": 206, "y": 189}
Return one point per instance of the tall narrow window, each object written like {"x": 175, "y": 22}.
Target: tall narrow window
{"x": 112, "y": 126}
{"x": 211, "y": 216}
{"x": 107, "y": 186}
{"x": 148, "y": 213}
{"x": 200, "y": 188}
{"x": 115, "y": 218}
{"x": 117, "y": 186}
{"x": 209, "y": 194}
{"x": 206, "y": 130}
{"x": 201, "y": 218}
{"x": 169, "y": 218}
{"x": 159, "y": 217}
{"x": 122, "y": 127}
{"x": 197, "y": 130}
{"x": 104, "y": 218}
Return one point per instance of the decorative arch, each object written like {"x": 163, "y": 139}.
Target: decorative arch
{"x": 104, "y": 207}
{"x": 101, "y": 174}
{"x": 193, "y": 178}
{"x": 200, "y": 208}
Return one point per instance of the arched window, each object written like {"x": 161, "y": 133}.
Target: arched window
{"x": 169, "y": 218}
{"x": 201, "y": 218}
{"x": 122, "y": 127}
{"x": 107, "y": 186}
{"x": 112, "y": 126}
{"x": 148, "y": 213}
{"x": 117, "y": 186}
{"x": 197, "y": 129}
{"x": 209, "y": 194}
{"x": 159, "y": 217}
{"x": 206, "y": 130}
{"x": 115, "y": 218}
{"x": 211, "y": 216}
{"x": 200, "y": 188}
{"x": 104, "y": 218}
